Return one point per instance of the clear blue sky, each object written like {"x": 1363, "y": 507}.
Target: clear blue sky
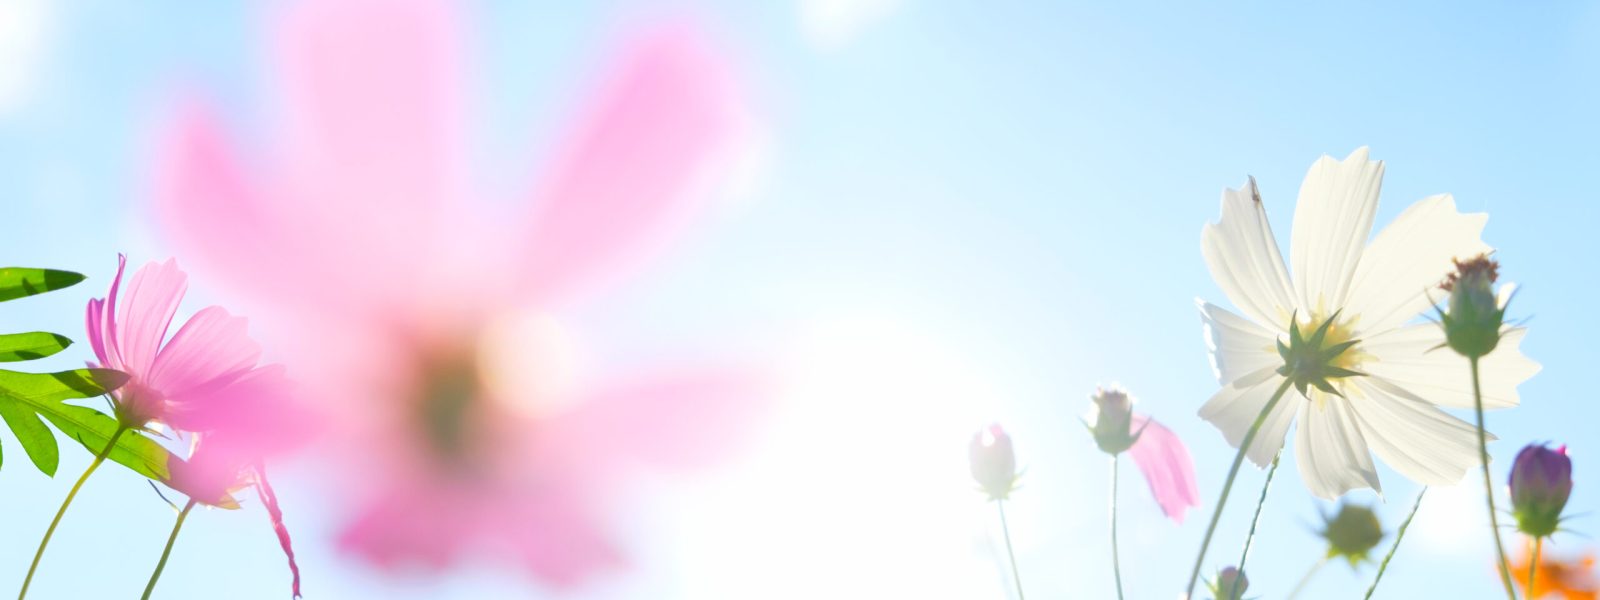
{"x": 993, "y": 206}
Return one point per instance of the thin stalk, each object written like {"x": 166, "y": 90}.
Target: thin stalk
{"x": 1116, "y": 561}
{"x": 1399, "y": 535}
{"x": 1233, "y": 472}
{"x": 1488, "y": 484}
{"x": 1249, "y": 537}
{"x": 43, "y": 543}
{"x": 1006, "y": 531}
{"x": 1305, "y": 579}
{"x": 1533, "y": 565}
{"x": 166, "y": 552}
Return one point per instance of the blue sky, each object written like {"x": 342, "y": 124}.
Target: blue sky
{"x": 959, "y": 214}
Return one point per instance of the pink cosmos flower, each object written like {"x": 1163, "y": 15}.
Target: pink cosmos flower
{"x": 203, "y": 381}
{"x": 1160, "y": 455}
{"x": 429, "y": 327}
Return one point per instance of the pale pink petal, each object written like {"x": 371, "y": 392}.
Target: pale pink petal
{"x": 208, "y": 206}
{"x": 142, "y": 318}
{"x": 213, "y": 345}
{"x": 102, "y": 317}
{"x": 1166, "y": 466}
{"x": 556, "y": 536}
{"x": 417, "y": 524}
{"x": 662, "y": 119}
{"x": 676, "y": 419}
{"x": 371, "y": 123}
{"x": 257, "y": 412}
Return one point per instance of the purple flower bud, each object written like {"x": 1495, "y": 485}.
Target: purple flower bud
{"x": 1541, "y": 481}
{"x": 994, "y": 464}
{"x": 1230, "y": 584}
{"x": 1113, "y": 421}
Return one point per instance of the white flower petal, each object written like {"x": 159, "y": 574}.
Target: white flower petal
{"x": 1244, "y": 258}
{"x": 1329, "y": 449}
{"x": 1413, "y": 437}
{"x": 1410, "y": 257}
{"x": 1332, "y": 220}
{"x": 1236, "y": 345}
{"x": 1235, "y": 407}
{"x": 1411, "y": 357}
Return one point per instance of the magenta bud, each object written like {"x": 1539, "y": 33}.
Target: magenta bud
{"x": 1541, "y": 481}
{"x": 994, "y": 464}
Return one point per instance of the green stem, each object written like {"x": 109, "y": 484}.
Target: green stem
{"x": 1305, "y": 579}
{"x": 1488, "y": 484}
{"x": 1255, "y": 520}
{"x": 1533, "y": 565}
{"x": 95, "y": 464}
{"x": 1116, "y": 561}
{"x": 1399, "y": 535}
{"x": 1006, "y": 531}
{"x": 165, "y": 552}
{"x": 1233, "y": 472}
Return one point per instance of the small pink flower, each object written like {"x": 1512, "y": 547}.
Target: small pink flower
{"x": 203, "y": 381}
{"x": 428, "y": 326}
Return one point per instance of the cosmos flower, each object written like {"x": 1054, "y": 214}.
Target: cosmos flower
{"x": 1160, "y": 455}
{"x": 203, "y": 381}
{"x": 1564, "y": 578}
{"x": 1368, "y": 293}
{"x": 993, "y": 462}
{"x": 431, "y": 330}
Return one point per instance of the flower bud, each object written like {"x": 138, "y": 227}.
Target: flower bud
{"x": 1230, "y": 584}
{"x": 1472, "y": 325}
{"x": 1541, "y": 481}
{"x": 1113, "y": 421}
{"x": 994, "y": 464}
{"x": 1352, "y": 532}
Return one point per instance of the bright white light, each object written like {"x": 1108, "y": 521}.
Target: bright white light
{"x": 830, "y": 24}
{"x": 861, "y": 489}
{"x": 23, "y": 25}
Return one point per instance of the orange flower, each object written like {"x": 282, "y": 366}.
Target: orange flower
{"x": 1570, "y": 578}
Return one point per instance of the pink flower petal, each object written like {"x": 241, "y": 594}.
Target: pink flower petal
{"x": 680, "y": 419}
{"x": 1166, "y": 466}
{"x": 557, "y": 537}
{"x": 431, "y": 522}
{"x": 372, "y": 150}
{"x": 212, "y": 347}
{"x": 142, "y": 318}
{"x": 627, "y": 173}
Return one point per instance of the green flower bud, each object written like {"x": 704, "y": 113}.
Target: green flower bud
{"x": 1230, "y": 584}
{"x": 1352, "y": 532}
{"x": 1113, "y": 421}
{"x": 1472, "y": 325}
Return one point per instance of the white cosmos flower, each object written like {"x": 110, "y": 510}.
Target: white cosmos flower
{"x": 1378, "y": 290}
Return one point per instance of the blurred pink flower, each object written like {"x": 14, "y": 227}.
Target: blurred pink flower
{"x": 204, "y": 380}
{"x": 424, "y": 322}
{"x": 1166, "y": 466}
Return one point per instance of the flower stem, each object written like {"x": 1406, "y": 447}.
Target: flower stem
{"x": 1116, "y": 561}
{"x": 1233, "y": 472}
{"x": 1533, "y": 565}
{"x": 1255, "y": 520}
{"x": 1488, "y": 484}
{"x": 1305, "y": 579}
{"x": 165, "y": 552}
{"x": 1006, "y": 532}
{"x": 95, "y": 464}
{"x": 1399, "y": 535}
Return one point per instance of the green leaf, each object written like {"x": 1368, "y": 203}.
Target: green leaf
{"x": 18, "y": 282}
{"x": 36, "y": 439}
{"x": 41, "y": 395}
{"x": 28, "y": 346}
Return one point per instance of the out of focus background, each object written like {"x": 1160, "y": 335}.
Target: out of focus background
{"x": 948, "y": 214}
